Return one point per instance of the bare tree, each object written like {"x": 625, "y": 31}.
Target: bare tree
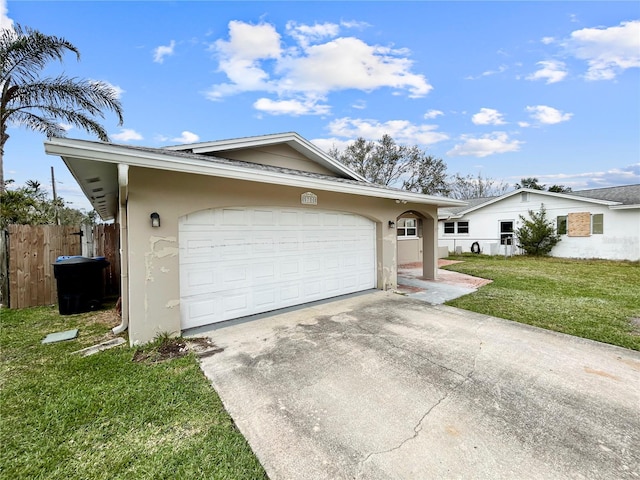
{"x": 386, "y": 163}
{"x": 467, "y": 187}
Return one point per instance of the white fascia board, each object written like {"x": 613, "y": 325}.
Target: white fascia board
{"x": 165, "y": 161}
{"x": 625, "y": 207}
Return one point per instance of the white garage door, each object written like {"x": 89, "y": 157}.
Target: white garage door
{"x": 236, "y": 262}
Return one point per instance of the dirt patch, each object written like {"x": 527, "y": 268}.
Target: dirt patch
{"x": 170, "y": 348}
{"x": 103, "y": 317}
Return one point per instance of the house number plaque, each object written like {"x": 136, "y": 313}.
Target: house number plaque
{"x": 309, "y": 198}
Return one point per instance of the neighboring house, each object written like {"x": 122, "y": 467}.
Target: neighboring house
{"x": 598, "y": 223}
{"x": 223, "y": 230}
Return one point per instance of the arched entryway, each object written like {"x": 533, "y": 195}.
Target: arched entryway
{"x": 417, "y": 243}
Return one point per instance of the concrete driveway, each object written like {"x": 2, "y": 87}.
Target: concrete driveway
{"x": 383, "y": 386}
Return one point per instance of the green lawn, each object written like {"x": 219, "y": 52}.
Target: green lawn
{"x": 593, "y": 299}
{"x": 106, "y": 416}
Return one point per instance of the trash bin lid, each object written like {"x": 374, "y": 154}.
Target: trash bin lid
{"x": 67, "y": 257}
{"x": 78, "y": 260}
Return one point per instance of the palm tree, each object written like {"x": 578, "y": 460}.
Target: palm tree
{"x": 41, "y": 104}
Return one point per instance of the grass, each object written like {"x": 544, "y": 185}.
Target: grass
{"x": 106, "y": 416}
{"x": 594, "y": 299}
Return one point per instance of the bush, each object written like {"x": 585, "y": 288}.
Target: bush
{"x": 537, "y": 235}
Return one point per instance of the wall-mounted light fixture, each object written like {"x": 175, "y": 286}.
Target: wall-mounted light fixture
{"x": 392, "y": 224}
{"x": 155, "y": 219}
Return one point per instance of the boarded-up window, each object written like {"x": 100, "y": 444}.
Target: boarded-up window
{"x": 579, "y": 224}
{"x": 597, "y": 224}
{"x": 561, "y": 223}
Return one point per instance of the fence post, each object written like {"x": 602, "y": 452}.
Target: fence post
{"x": 4, "y": 268}
{"x": 88, "y": 246}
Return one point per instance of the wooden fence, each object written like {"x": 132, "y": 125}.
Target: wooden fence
{"x": 31, "y": 251}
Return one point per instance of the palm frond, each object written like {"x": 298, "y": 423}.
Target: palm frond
{"x": 67, "y": 93}
{"x": 25, "y": 52}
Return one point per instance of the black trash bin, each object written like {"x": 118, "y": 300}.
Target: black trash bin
{"x": 80, "y": 282}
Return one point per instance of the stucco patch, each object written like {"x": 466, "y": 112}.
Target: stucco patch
{"x": 172, "y": 303}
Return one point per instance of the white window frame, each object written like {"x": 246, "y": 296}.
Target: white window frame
{"x": 458, "y": 227}
{"x": 511, "y": 234}
{"x": 404, "y": 225}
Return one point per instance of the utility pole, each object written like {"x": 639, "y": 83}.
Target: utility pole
{"x": 55, "y": 197}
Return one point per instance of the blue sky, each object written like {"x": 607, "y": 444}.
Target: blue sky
{"x": 504, "y": 89}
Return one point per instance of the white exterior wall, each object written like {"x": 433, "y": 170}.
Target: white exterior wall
{"x": 620, "y": 240}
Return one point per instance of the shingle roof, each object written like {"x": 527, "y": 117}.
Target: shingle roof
{"x": 626, "y": 195}
{"x": 472, "y": 202}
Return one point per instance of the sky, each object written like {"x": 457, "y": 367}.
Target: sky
{"x": 505, "y": 90}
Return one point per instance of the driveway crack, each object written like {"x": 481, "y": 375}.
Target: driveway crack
{"x": 419, "y": 425}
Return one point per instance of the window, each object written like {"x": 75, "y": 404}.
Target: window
{"x": 407, "y": 228}
{"x": 597, "y": 223}
{"x": 561, "y": 225}
{"x": 506, "y": 232}
{"x": 524, "y": 196}
{"x": 456, "y": 227}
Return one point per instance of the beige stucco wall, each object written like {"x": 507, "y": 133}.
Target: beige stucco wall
{"x": 154, "y": 279}
{"x": 277, "y": 156}
{"x": 409, "y": 250}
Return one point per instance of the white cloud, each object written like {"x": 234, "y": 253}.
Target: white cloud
{"x": 239, "y": 58}
{"x": 306, "y": 34}
{"x": 488, "y": 73}
{"x": 256, "y": 59}
{"x": 163, "y": 51}
{"x": 350, "y": 63}
{"x": 607, "y": 51}
{"x": 127, "y": 135}
{"x": 548, "y": 115}
{"x": 548, "y": 40}
{"x": 488, "y": 116}
{"x": 433, "y": 114}
{"x": 359, "y": 105}
{"x": 550, "y": 70}
{"x": 402, "y": 131}
{"x": 327, "y": 144}
{"x": 524, "y": 124}
{"x": 291, "y": 107}
{"x": 186, "y": 137}
{"x": 629, "y": 175}
{"x": 490, "y": 144}
{"x": 5, "y": 21}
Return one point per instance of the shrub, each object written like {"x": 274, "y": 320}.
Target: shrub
{"x": 537, "y": 235}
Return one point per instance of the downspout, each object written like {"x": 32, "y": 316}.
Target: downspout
{"x": 123, "y": 192}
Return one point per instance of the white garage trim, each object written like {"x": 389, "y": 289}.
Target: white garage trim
{"x": 236, "y": 262}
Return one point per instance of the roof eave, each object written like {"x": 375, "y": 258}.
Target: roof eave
{"x": 70, "y": 149}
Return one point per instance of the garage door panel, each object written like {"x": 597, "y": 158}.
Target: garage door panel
{"x": 248, "y": 261}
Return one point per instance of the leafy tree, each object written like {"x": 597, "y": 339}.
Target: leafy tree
{"x": 537, "y": 235}
{"x": 386, "y": 163}
{"x": 30, "y": 205}
{"x": 530, "y": 182}
{"x": 40, "y": 104}
{"x": 559, "y": 189}
{"x": 467, "y": 187}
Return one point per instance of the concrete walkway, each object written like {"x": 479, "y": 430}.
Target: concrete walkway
{"x": 383, "y": 386}
{"x": 449, "y": 285}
